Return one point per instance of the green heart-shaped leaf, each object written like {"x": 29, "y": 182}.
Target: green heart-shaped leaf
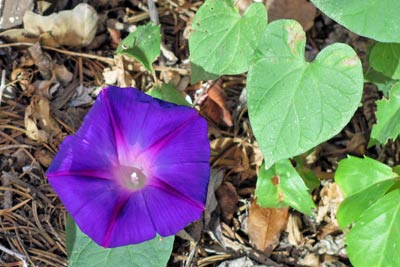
{"x": 83, "y": 252}
{"x": 295, "y": 105}
{"x": 374, "y": 239}
{"x": 282, "y": 186}
{"x": 142, "y": 44}
{"x": 223, "y": 41}
{"x": 378, "y": 20}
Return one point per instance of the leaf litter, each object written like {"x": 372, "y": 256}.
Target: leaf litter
{"x": 47, "y": 92}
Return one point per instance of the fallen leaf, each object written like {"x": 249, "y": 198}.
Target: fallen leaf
{"x": 63, "y": 75}
{"x": 331, "y": 197}
{"x": 331, "y": 228}
{"x": 301, "y": 10}
{"x": 42, "y": 61}
{"x": 211, "y": 203}
{"x": 214, "y": 106}
{"x": 236, "y": 154}
{"x": 265, "y": 226}
{"x": 310, "y": 260}
{"x": 228, "y": 200}
{"x": 76, "y": 27}
{"x": 44, "y": 157}
{"x": 39, "y": 124}
{"x": 295, "y": 236}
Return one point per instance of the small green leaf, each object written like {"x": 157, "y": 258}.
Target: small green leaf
{"x": 295, "y": 105}
{"x": 142, "y": 44}
{"x": 309, "y": 177}
{"x": 385, "y": 58}
{"x": 222, "y": 41}
{"x": 199, "y": 74}
{"x": 374, "y": 239}
{"x": 282, "y": 186}
{"x": 83, "y": 252}
{"x": 383, "y": 82}
{"x": 352, "y": 207}
{"x": 168, "y": 93}
{"x": 378, "y": 20}
{"x": 354, "y": 175}
{"x": 388, "y": 117}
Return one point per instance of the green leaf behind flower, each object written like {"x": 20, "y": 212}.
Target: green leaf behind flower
{"x": 83, "y": 252}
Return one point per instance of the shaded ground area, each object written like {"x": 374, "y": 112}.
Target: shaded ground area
{"x": 49, "y": 90}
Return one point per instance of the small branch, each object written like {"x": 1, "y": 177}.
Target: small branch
{"x": 153, "y": 13}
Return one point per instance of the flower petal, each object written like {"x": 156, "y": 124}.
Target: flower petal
{"x": 169, "y": 212}
{"x": 141, "y": 119}
{"x": 92, "y": 149}
{"x": 187, "y": 144}
{"x": 133, "y": 224}
{"x": 189, "y": 179}
{"x": 110, "y": 216}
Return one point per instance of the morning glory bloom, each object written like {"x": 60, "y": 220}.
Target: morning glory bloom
{"x": 137, "y": 166}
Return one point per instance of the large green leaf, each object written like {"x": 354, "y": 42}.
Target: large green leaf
{"x": 168, "y": 93}
{"x": 388, "y": 117}
{"x": 282, "y": 186}
{"x": 83, "y": 252}
{"x": 354, "y": 175}
{"x": 374, "y": 239}
{"x": 142, "y": 44}
{"x": 385, "y": 58}
{"x": 295, "y": 105}
{"x": 352, "y": 207}
{"x": 223, "y": 41}
{"x": 378, "y": 20}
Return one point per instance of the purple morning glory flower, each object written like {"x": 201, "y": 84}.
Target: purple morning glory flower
{"x": 137, "y": 166}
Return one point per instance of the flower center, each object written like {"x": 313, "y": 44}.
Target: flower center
{"x": 131, "y": 178}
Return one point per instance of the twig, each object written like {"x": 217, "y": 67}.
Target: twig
{"x": 2, "y": 84}
{"x": 153, "y": 13}
{"x": 107, "y": 60}
{"x": 15, "y": 254}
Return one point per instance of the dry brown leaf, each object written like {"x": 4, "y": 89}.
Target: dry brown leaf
{"x": 42, "y": 60}
{"x": 63, "y": 75}
{"x": 310, "y": 260}
{"x": 228, "y": 200}
{"x": 301, "y": 10}
{"x": 76, "y": 27}
{"x": 44, "y": 157}
{"x": 331, "y": 197}
{"x": 214, "y": 106}
{"x": 331, "y": 228}
{"x": 295, "y": 236}
{"x": 115, "y": 36}
{"x": 236, "y": 154}
{"x": 265, "y": 226}
{"x": 39, "y": 124}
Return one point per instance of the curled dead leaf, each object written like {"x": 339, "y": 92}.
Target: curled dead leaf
{"x": 228, "y": 200}
{"x": 214, "y": 106}
{"x": 39, "y": 124}
{"x": 76, "y": 27}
